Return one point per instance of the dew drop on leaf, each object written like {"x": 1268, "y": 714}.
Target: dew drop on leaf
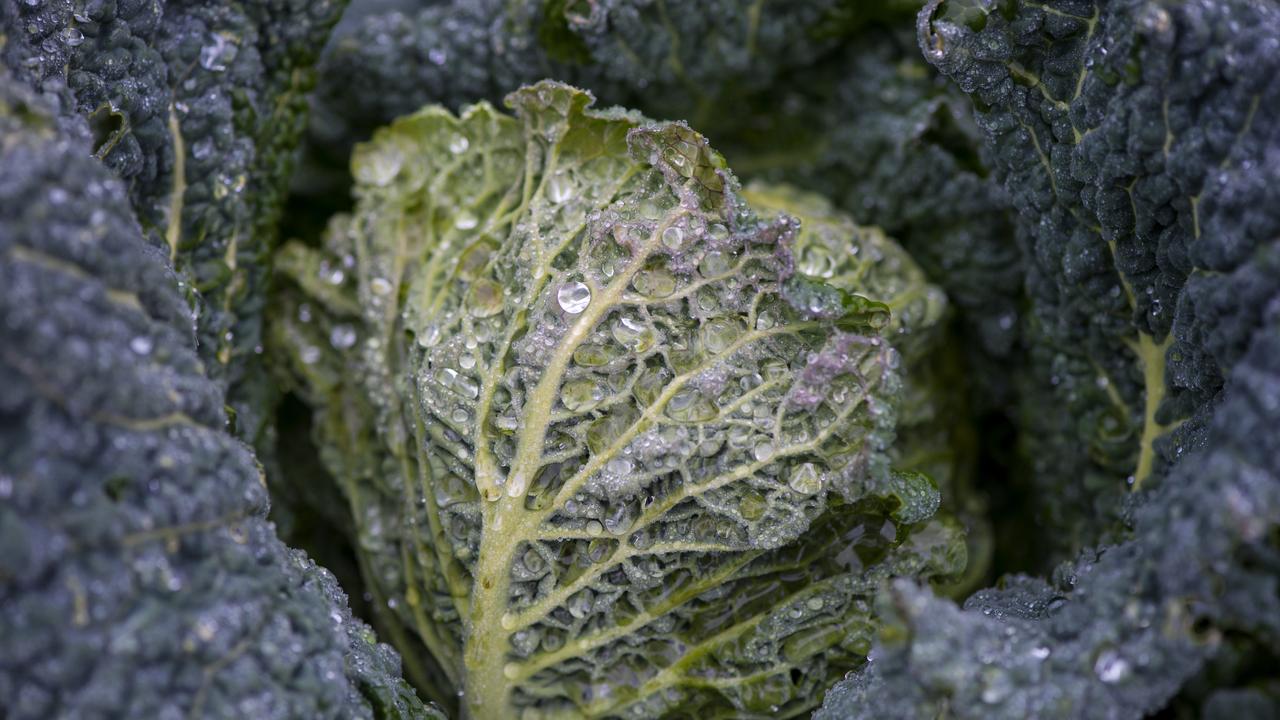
{"x": 467, "y": 387}
{"x": 804, "y": 479}
{"x": 673, "y": 237}
{"x": 633, "y": 334}
{"x": 342, "y": 337}
{"x": 573, "y": 297}
{"x": 714, "y": 263}
{"x": 1110, "y": 667}
{"x": 580, "y": 394}
{"x": 752, "y": 505}
{"x": 141, "y": 345}
{"x": 484, "y": 298}
{"x": 655, "y": 283}
{"x": 559, "y": 188}
{"x": 380, "y": 286}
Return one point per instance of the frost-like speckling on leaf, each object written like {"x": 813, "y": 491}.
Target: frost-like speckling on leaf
{"x": 612, "y": 446}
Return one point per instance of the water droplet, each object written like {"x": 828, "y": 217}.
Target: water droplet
{"x": 762, "y": 451}
{"x": 310, "y": 355}
{"x": 690, "y": 406}
{"x": 717, "y": 232}
{"x": 511, "y": 671}
{"x": 202, "y": 148}
{"x": 580, "y": 604}
{"x": 673, "y": 237}
{"x": 72, "y": 36}
{"x": 633, "y": 334}
{"x": 485, "y": 298}
{"x": 805, "y": 479}
{"x": 377, "y": 167}
{"x": 1110, "y": 667}
{"x": 815, "y": 261}
{"x": 212, "y": 55}
{"x": 619, "y": 466}
{"x": 714, "y": 263}
{"x": 342, "y": 337}
{"x": 141, "y": 345}
{"x": 458, "y": 144}
{"x": 559, "y": 188}
{"x": 580, "y": 394}
{"x": 718, "y": 335}
{"x": 429, "y": 337}
{"x": 574, "y": 297}
{"x": 380, "y": 286}
{"x": 752, "y": 505}
{"x": 467, "y": 386}
{"x": 655, "y": 283}
{"x": 466, "y": 362}
{"x": 534, "y": 562}
{"x": 594, "y": 355}
{"x": 465, "y": 220}
{"x": 437, "y": 56}
{"x": 594, "y": 527}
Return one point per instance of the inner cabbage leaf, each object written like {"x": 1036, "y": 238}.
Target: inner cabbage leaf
{"x": 612, "y": 447}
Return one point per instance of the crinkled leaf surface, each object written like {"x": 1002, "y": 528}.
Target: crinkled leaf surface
{"x": 1130, "y": 136}
{"x": 139, "y": 576}
{"x": 198, "y": 107}
{"x": 608, "y": 451}
{"x": 1143, "y": 137}
{"x": 671, "y": 59}
{"x": 933, "y": 435}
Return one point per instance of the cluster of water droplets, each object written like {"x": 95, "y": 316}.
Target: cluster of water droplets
{"x": 671, "y": 416}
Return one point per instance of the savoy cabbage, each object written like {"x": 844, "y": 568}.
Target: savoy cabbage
{"x": 615, "y": 442}
{"x": 727, "y": 405}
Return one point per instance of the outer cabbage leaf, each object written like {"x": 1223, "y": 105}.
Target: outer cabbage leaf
{"x": 1118, "y": 632}
{"x": 138, "y": 575}
{"x": 1115, "y": 128}
{"x": 669, "y": 59}
{"x": 607, "y": 451}
{"x": 198, "y": 107}
{"x": 1147, "y": 150}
